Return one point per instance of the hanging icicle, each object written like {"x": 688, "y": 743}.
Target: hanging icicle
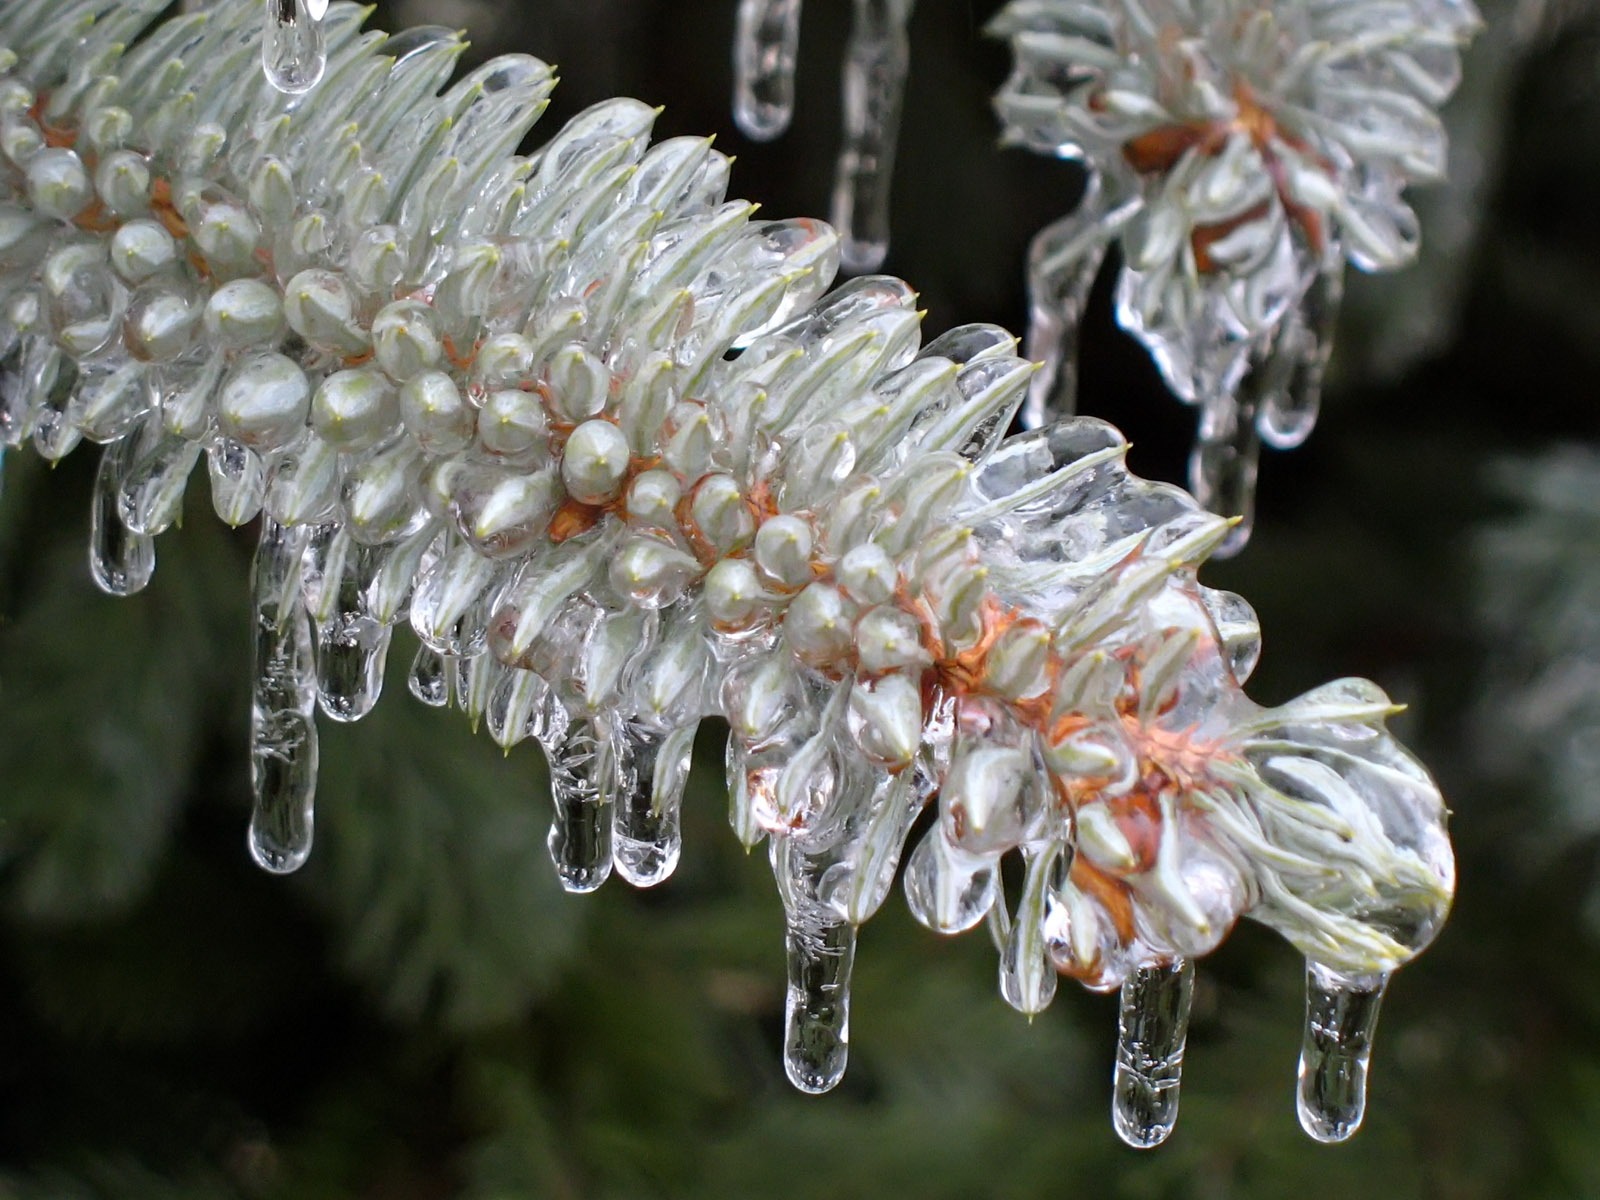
{"x": 1238, "y": 157}
{"x": 293, "y": 51}
{"x": 876, "y": 59}
{"x": 493, "y": 398}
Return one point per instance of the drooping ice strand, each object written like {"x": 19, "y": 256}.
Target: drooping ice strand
{"x": 1239, "y": 156}
{"x": 624, "y": 459}
{"x": 1341, "y": 1017}
{"x": 766, "y": 42}
{"x": 1151, "y": 1029}
{"x": 877, "y": 57}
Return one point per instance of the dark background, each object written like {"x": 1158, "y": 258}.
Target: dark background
{"x": 421, "y": 1013}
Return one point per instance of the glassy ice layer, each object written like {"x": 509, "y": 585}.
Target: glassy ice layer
{"x": 1239, "y": 155}
{"x": 625, "y": 459}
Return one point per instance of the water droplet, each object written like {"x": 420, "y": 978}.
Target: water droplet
{"x": 1302, "y": 345}
{"x": 580, "y": 835}
{"x": 816, "y": 1036}
{"x": 876, "y": 58}
{"x": 430, "y": 677}
{"x": 764, "y": 48}
{"x": 120, "y": 560}
{"x": 1341, "y": 1017}
{"x": 654, "y": 769}
{"x": 1151, "y": 1029}
{"x": 293, "y": 52}
{"x": 283, "y": 731}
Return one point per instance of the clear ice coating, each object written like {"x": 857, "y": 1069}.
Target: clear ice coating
{"x": 1152, "y": 1025}
{"x": 625, "y": 458}
{"x": 766, "y": 41}
{"x": 1239, "y": 155}
{"x": 876, "y": 58}
{"x": 1341, "y": 1017}
{"x": 293, "y": 45}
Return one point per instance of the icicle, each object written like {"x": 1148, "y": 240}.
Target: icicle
{"x": 1151, "y": 1029}
{"x": 654, "y": 768}
{"x": 1063, "y": 260}
{"x": 293, "y": 52}
{"x": 430, "y": 677}
{"x": 283, "y": 731}
{"x": 120, "y": 560}
{"x": 816, "y": 1028}
{"x": 876, "y": 60}
{"x": 580, "y": 835}
{"x": 1341, "y": 1017}
{"x": 764, "y": 50}
{"x": 1222, "y": 465}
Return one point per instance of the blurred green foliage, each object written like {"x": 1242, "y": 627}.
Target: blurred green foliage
{"x": 422, "y": 1013}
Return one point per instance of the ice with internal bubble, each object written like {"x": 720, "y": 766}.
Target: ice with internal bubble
{"x": 624, "y": 459}
{"x": 1238, "y": 156}
{"x": 1341, "y": 1014}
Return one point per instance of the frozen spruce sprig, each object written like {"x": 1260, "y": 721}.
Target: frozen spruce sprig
{"x": 624, "y": 462}
{"x": 1239, "y": 154}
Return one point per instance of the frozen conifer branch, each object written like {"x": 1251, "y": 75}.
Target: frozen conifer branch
{"x": 1240, "y": 153}
{"x": 624, "y": 462}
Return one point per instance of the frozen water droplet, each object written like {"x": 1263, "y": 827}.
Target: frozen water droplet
{"x": 654, "y": 769}
{"x": 238, "y": 480}
{"x": 949, "y": 890}
{"x": 1222, "y": 465}
{"x": 816, "y": 1036}
{"x": 580, "y": 835}
{"x": 1151, "y": 1029}
{"x": 283, "y": 730}
{"x": 1027, "y": 977}
{"x": 120, "y": 560}
{"x": 352, "y": 646}
{"x": 764, "y": 47}
{"x": 876, "y": 58}
{"x": 430, "y": 677}
{"x": 1341, "y": 1017}
{"x": 1301, "y": 347}
{"x": 153, "y": 484}
{"x": 293, "y": 51}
